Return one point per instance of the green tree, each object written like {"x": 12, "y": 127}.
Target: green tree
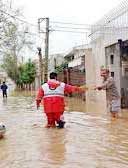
{"x": 14, "y": 39}
{"x": 26, "y": 74}
{"x": 61, "y": 67}
{"x": 9, "y": 66}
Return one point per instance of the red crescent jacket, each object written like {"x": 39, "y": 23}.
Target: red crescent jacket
{"x": 52, "y": 94}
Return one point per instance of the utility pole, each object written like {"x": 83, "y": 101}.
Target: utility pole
{"x": 46, "y": 45}
{"x": 46, "y": 49}
{"x": 10, "y": 4}
{"x": 40, "y": 64}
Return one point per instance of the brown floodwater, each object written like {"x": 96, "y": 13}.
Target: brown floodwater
{"x": 90, "y": 138}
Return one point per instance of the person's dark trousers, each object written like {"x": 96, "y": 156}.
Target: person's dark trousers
{"x": 4, "y": 94}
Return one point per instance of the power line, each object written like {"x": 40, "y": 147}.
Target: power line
{"x": 31, "y": 33}
{"x": 24, "y": 21}
{"x": 14, "y": 17}
{"x": 21, "y": 20}
{"x": 89, "y": 26}
{"x": 77, "y": 28}
{"x": 70, "y": 23}
{"x": 69, "y": 31}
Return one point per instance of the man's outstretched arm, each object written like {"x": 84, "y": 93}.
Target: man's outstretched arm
{"x": 40, "y": 94}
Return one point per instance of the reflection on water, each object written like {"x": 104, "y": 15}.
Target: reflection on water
{"x": 4, "y": 101}
{"x": 90, "y": 139}
{"x": 75, "y": 104}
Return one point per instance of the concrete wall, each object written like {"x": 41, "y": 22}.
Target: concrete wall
{"x": 105, "y": 33}
{"x": 124, "y": 79}
{"x": 116, "y": 66}
{"x": 95, "y": 100}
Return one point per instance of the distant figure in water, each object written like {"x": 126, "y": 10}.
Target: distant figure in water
{"x": 113, "y": 98}
{"x": 4, "y": 88}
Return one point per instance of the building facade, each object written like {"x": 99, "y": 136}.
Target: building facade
{"x": 76, "y": 64}
{"x": 109, "y": 48}
{"x": 54, "y": 61}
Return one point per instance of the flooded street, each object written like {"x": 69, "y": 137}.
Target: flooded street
{"x": 90, "y": 140}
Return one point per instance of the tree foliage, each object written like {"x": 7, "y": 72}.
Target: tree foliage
{"x": 8, "y": 66}
{"x": 26, "y": 73}
{"x": 61, "y": 67}
{"x": 13, "y": 40}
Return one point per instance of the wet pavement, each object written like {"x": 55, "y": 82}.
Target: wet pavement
{"x": 90, "y": 140}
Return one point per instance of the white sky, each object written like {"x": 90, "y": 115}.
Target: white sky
{"x": 75, "y": 11}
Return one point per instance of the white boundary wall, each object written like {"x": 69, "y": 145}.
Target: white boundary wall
{"x": 105, "y": 32}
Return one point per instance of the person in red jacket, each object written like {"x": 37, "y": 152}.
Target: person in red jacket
{"x": 52, "y": 94}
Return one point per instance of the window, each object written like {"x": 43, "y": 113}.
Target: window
{"x": 126, "y": 72}
{"x": 72, "y": 57}
{"x": 111, "y": 59}
{"x": 112, "y": 74}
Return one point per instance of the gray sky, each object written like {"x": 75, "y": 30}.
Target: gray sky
{"x": 74, "y": 11}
